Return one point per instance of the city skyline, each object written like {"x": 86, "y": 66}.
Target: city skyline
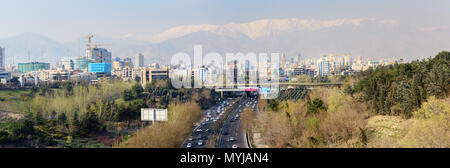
{"x": 143, "y": 19}
{"x": 412, "y": 30}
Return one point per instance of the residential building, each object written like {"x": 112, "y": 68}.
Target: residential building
{"x": 324, "y": 67}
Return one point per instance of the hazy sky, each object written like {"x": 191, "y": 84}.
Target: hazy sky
{"x": 66, "y": 20}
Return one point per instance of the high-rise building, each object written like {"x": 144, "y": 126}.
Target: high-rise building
{"x": 67, "y": 63}
{"x": 283, "y": 61}
{"x": 299, "y": 58}
{"x": 139, "y": 60}
{"x": 102, "y": 53}
{"x": 80, "y": 63}
{"x": 324, "y": 67}
{"x": 2, "y": 58}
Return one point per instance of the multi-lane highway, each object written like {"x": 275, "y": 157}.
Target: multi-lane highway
{"x": 232, "y": 136}
{"x": 201, "y": 134}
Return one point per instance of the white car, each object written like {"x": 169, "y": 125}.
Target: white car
{"x": 232, "y": 139}
{"x": 234, "y": 146}
{"x": 189, "y": 145}
{"x": 200, "y": 142}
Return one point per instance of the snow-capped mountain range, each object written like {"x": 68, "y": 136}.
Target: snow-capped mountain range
{"x": 365, "y": 37}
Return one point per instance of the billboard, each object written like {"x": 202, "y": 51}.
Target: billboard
{"x": 151, "y": 114}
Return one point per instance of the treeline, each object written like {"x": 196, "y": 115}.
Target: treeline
{"x": 159, "y": 94}
{"x": 168, "y": 134}
{"x": 325, "y": 118}
{"x": 58, "y": 115}
{"x": 400, "y": 89}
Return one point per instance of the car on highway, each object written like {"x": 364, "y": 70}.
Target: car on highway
{"x": 199, "y": 130}
{"x": 200, "y": 142}
{"x": 232, "y": 139}
{"x": 189, "y": 145}
{"x": 234, "y": 146}
{"x": 190, "y": 139}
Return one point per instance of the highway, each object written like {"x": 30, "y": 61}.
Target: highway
{"x": 201, "y": 133}
{"x": 232, "y": 136}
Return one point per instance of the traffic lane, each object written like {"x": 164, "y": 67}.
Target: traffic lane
{"x": 204, "y": 125}
{"x": 239, "y": 133}
{"x": 231, "y": 127}
{"x": 199, "y": 135}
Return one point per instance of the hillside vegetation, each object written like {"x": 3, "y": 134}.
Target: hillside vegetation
{"x": 401, "y": 105}
{"x": 167, "y": 134}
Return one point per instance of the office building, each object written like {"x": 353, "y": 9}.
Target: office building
{"x": 33, "y": 66}
{"x": 151, "y": 74}
{"x": 2, "y": 58}
{"x": 100, "y": 55}
{"x": 101, "y": 69}
{"x": 299, "y": 58}
{"x": 139, "y": 61}
{"x": 80, "y": 63}
{"x": 67, "y": 63}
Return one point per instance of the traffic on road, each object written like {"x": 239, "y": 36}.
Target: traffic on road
{"x": 201, "y": 134}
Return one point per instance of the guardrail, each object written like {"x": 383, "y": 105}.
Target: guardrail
{"x": 248, "y": 141}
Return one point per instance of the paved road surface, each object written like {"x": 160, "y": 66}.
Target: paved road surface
{"x": 200, "y": 135}
{"x": 232, "y": 135}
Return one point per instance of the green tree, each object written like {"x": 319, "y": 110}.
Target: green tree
{"x": 315, "y": 106}
{"x": 62, "y": 119}
{"x": 38, "y": 118}
{"x": 127, "y": 95}
{"x": 89, "y": 123}
{"x": 137, "y": 90}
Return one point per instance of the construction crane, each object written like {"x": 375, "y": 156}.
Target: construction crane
{"x": 91, "y": 46}
{"x": 89, "y": 37}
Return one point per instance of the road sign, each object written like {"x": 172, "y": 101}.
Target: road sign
{"x": 151, "y": 114}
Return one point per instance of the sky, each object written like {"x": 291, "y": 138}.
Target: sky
{"x": 141, "y": 19}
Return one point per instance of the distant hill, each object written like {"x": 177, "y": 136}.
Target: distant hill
{"x": 369, "y": 38}
{"x": 33, "y": 47}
